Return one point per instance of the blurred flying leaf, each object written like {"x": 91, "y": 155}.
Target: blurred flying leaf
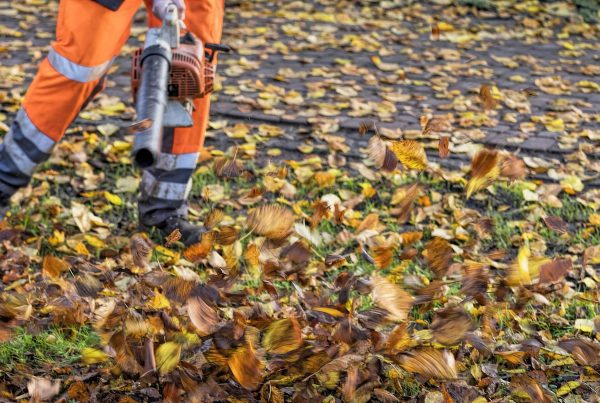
{"x": 410, "y": 153}
{"x": 430, "y": 363}
{"x": 391, "y": 297}
{"x": 272, "y": 221}
{"x": 484, "y": 169}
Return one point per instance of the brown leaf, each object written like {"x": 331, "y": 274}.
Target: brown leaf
{"x": 381, "y": 155}
{"x": 585, "y": 352}
{"x": 173, "y": 237}
{"x": 271, "y": 221}
{"x": 399, "y": 339}
{"x": 435, "y": 32}
{"x": 203, "y": 314}
{"x": 246, "y": 367}
{"x": 591, "y": 255}
{"x": 87, "y": 285}
{"x": 531, "y": 387}
{"x": 53, "y": 266}
{"x": 384, "y": 396}
{"x": 382, "y": 255}
{"x": 555, "y": 270}
{"x": 514, "y": 357}
{"x": 269, "y": 393}
{"x": 78, "y": 392}
{"x": 475, "y": 281}
{"x": 320, "y": 211}
{"x": 429, "y": 362}
{"x": 366, "y": 126}
{"x": 123, "y": 354}
{"x": 404, "y": 198}
{"x": 178, "y": 289}
{"x": 42, "y": 389}
{"x": 334, "y": 260}
{"x": 484, "y": 169}
{"x": 139, "y": 126}
{"x": 556, "y": 223}
{"x": 282, "y": 336}
{"x": 350, "y": 384}
{"x": 214, "y": 218}
{"x": 486, "y": 97}
{"x": 141, "y": 248}
{"x": 198, "y": 251}
{"x": 371, "y": 222}
{"x": 513, "y": 168}
{"x": 436, "y": 124}
{"x": 391, "y": 298}
{"x": 297, "y": 253}
{"x": 227, "y": 167}
{"x": 443, "y": 146}
{"x": 438, "y": 254}
{"x": 450, "y": 325}
{"x": 342, "y": 363}
{"x": 226, "y": 235}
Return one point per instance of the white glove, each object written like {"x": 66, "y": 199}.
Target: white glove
{"x": 159, "y": 8}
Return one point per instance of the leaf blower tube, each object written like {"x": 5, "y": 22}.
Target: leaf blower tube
{"x": 151, "y": 102}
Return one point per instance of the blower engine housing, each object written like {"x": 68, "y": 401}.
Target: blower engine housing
{"x": 192, "y": 74}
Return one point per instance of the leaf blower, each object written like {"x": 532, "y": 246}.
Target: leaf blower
{"x": 167, "y": 74}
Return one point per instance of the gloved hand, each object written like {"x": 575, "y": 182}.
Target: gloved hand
{"x": 159, "y": 8}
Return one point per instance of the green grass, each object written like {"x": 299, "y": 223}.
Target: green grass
{"x": 55, "y": 346}
{"x": 571, "y": 211}
{"x": 502, "y": 233}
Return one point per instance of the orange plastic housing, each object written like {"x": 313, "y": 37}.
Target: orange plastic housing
{"x": 192, "y": 76}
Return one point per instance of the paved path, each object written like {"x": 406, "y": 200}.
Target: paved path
{"x": 317, "y": 69}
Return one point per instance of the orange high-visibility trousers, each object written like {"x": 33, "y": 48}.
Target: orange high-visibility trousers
{"x": 88, "y": 38}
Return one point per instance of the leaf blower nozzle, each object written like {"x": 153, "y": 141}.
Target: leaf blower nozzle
{"x": 151, "y": 102}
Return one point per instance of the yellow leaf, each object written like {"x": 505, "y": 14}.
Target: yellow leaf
{"x": 159, "y": 301}
{"x": 368, "y": 190}
{"x": 594, "y": 219}
{"x": 82, "y": 249}
{"x": 95, "y": 241}
{"x": 91, "y": 355}
{"x": 523, "y": 263}
{"x": 330, "y": 311}
{"x": 113, "y": 199}
{"x": 567, "y": 388}
{"x": 585, "y": 325}
{"x": 168, "y": 356}
{"x": 410, "y": 153}
{"x": 571, "y": 184}
{"x": 444, "y": 26}
{"x": 57, "y": 238}
{"x": 555, "y": 125}
{"x": 282, "y": 336}
{"x": 381, "y": 65}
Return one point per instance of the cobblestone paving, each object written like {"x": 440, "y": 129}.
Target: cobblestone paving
{"x": 317, "y": 69}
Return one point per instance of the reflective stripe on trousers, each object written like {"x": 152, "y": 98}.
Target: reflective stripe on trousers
{"x": 166, "y": 187}
{"x": 24, "y": 147}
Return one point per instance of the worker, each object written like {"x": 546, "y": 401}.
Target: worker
{"x": 89, "y": 35}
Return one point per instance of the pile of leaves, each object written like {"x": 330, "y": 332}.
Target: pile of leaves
{"x": 389, "y": 277}
{"x": 256, "y": 311}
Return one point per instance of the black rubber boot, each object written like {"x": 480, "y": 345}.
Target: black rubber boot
{"x": 190, "y": 233}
